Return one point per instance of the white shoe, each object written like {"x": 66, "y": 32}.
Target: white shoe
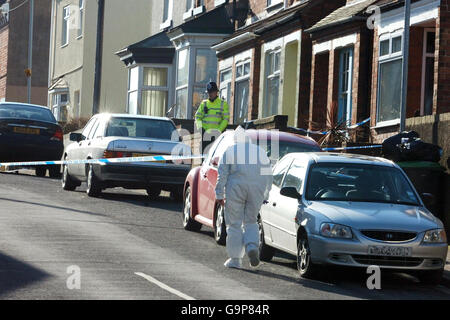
{"x": 233, "y": 263}
{"x": 253, "y": 256}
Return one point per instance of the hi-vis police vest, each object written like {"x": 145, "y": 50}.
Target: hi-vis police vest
{"x": 212, "y": 115}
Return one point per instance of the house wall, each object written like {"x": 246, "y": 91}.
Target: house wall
{"x": 441, "y": 103}
{"x": 4, "y": 34}
{"x": 16, "y": 84}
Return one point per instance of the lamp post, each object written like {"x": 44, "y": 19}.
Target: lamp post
{"x": 30, "y": 51}
{"x": 405, "y": 65}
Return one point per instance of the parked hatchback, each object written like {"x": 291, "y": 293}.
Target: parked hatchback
{"x": 200, "y": 205}
{"x": 350, "y": 210}
{"x": 30, "y": 133}
{"x": 120, "y": 136}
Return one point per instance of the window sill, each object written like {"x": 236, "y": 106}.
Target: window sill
{"x": 275, "y": 6}
{"x": 386, "y": 124}
{"x": 64, "y": 45}
{"x": 219, "y": 2}
{"x": 187, "y": 15}
{"x": 165, "y": 25}
{"x": 79, "y": 37}
{"x": 198, "y": 10}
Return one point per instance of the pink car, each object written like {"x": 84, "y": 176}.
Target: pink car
{"x": 200, "y": 205}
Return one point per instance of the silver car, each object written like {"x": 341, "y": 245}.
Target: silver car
{"x": 350, "y": 210}
{"x": 124, "y": 135}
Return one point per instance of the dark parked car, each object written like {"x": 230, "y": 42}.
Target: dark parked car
{"x": 30, "y": 133}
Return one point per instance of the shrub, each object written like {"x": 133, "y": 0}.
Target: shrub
{"x": 74, "y": 124}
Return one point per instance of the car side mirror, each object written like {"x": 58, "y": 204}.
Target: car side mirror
{"x": 75, "y": 136}
{"x": 290, "y": 192}
{"x": 215, "y": 161}
{"x": 428, "y": 199}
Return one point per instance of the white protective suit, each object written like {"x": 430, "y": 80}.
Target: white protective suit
{"x": 244, "y": 181}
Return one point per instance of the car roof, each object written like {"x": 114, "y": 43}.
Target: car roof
{"x": 133, "y": 116}
{"x": 327, "y": 157}
{"x": 24, "y": 104}
{"x": 281, "y": 135}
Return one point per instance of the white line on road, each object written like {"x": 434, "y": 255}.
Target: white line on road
{"x": 164, "y": 286}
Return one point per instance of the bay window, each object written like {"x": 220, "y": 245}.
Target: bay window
{"x": 390, "y": 78}
{"x": 148, "y": 90}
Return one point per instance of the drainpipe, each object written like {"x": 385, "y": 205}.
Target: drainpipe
{"x": 405, "y": 65}
{"x": 98, "y": 56}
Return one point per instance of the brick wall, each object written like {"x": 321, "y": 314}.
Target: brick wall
{"x": 441, "y": 103}
{"x": 4, "y": 33}
{"x": 415, "y": 71}
{"x": 319, "y": 89}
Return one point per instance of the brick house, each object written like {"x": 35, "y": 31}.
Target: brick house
{"x": 357, "y": 65}
{"x": 14, "y": 25}
{"x": 264, "y": 66}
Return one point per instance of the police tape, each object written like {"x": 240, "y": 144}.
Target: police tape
{"x": 101, "y": 161}
{"x": 352, "y": 148}
{"x": 326, "y": 132}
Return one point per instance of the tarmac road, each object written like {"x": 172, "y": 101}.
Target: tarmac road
{"x": 125, "y": 246}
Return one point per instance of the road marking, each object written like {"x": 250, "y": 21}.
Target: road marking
{"x": 164, "y": 286}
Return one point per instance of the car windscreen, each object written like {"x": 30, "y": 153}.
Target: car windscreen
{"x": 13, "y": 111}
{"x": 285, "y": 147}
{"x": 141, "y": 128}
{"x": 359, "y": 182}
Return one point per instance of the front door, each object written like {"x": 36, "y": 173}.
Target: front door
{"x": 345, "y": 86}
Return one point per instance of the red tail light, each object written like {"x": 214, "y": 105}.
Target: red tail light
{"x": 58, "y": 135}
{"x": 115, "y": 154}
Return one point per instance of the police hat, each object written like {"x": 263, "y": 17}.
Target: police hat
{"x": 211, "y": 87}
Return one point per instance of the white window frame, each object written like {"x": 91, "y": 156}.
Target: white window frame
{"x": 273, "y": 3}
{"x": 385, "y": 59}
{"x": 57, "y": 105}
{"x": 141, "y": 87}
{"x": 168, "y": 22}
{"x": 425, "y": 55}
{"x": 194, "y": 10}
{"x": 81, "y": 4}
{"x": 242, "y": 78}
{"x": 66, "y": 17}
{"x": 227, "y": 83}
{"x": 271, "y": 75}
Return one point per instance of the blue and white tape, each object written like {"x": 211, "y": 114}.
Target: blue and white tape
{"x": 326, "y": 132}
{"x": 101, "y": 161}
{"x": 352, "y": 148}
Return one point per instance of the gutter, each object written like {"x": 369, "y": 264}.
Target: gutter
{"x": 247, "y": 36}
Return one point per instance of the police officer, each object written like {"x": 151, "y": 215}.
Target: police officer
{"x": 212, "y": 114}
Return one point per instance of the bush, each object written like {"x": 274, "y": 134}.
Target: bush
{"x": 74, "y": 124}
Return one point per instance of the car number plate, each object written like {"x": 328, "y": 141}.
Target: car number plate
{"x": 26, "y": 130}
{"x": 148, "y": 155}
{"x": 390, "y": 251}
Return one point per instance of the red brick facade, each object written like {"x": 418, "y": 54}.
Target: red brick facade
{"x": 4, "y": 34}
{"x": 441, "y": 103}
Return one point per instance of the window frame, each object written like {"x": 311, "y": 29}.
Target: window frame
{"x": 390, "y": 57}
{"x": 81, "y": 7}
{"x": 167, "y": 23}
{"x": 238, "y": 80}
{"x": 141, "y": 87}
{"x": 193, "y": 9}
{"x": 65, "y": 21}
{"x": 58, "y": 105}
{"x": 425, "y": 55}
{"x": 269, "y": 75}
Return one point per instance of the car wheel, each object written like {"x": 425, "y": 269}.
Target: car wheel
{"x": 153, "y": 192}
{"x": 54, "y": 171}
{"x": 266, "y": 252}
{"x": 189, "y": 223}
{"x": 305, "y": 267}
{"x": 67, "y": 181}
{"x": 431, "y": 277}
{"x": 220, "y": 229}
{"x": 41, "y": 171}
{"x": 93, "y": 184}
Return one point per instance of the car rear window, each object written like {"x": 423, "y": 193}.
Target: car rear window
{"x": 25, "y": 112}
{"x": 141, "y": 128}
